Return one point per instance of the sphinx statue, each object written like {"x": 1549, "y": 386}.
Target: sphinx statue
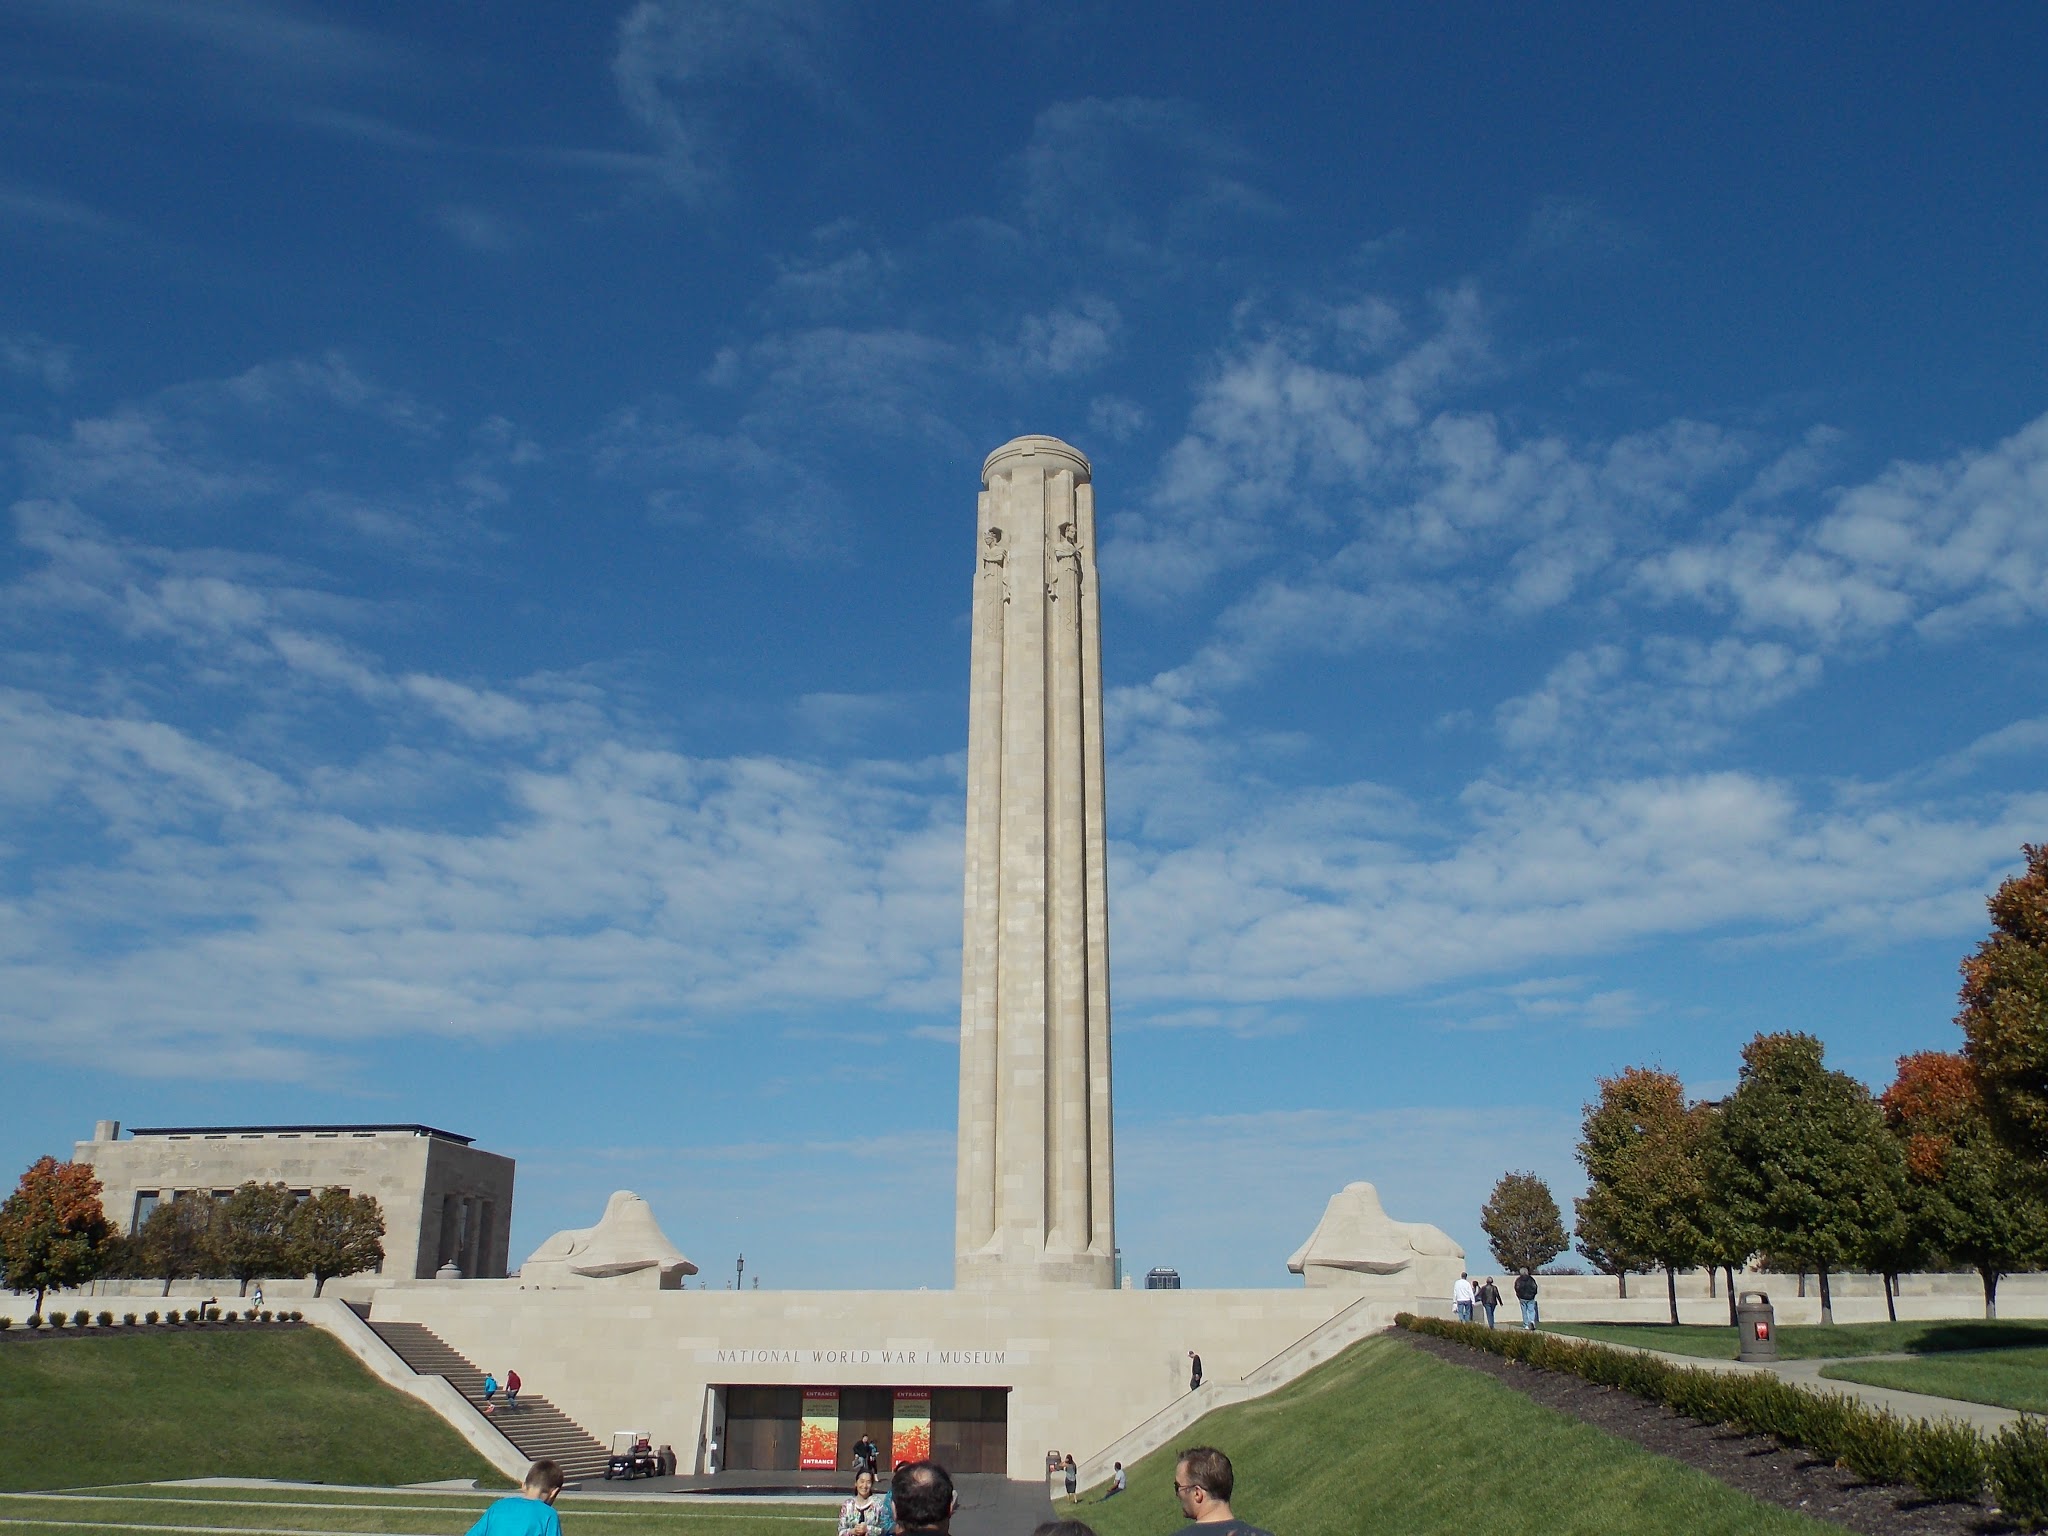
{"x": 626, "y": 1247}
{"x": 1357, "y": 1246}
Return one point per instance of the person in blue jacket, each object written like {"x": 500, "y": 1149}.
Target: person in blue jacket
{"x": 530, "y": 1511}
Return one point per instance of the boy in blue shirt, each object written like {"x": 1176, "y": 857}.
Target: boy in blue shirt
{"x": 531, "y": 1511}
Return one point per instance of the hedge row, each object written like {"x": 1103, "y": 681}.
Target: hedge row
{"x": 1944, "y": 1459}
{"x": 82, "y": 1318}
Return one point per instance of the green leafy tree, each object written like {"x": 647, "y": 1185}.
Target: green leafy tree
{"x": 1522, "y": 1223}
{"x": 1602, "y": 1246}
{"x": 178, "y": 1238}
{"x": 1809, "y": 1159}
{"x": 53, "y": 1230}
{"x": 2005, "y": 1009}
{"x": 1727, "y": 1225}
{"x": 252, "y": 1233}
{"x": 336, "y": 1233}
{"x": 1646, "y": 1187}
{"x": 1968, "y": 1194}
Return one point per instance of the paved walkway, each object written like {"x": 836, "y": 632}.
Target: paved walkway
{"x": 1807, "y": 1373}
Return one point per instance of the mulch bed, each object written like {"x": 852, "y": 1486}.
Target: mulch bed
{"x": 1757, "y": 1465}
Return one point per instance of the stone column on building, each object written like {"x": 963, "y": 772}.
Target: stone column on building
{"x": 1036, "y": 1192}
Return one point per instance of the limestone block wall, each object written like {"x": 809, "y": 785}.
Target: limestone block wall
{"x": 1083, "y": 1367}
{"x": 440, "y": 1197}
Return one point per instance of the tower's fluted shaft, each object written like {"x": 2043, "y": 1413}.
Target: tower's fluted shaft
{"x": 1036, "y": 1190}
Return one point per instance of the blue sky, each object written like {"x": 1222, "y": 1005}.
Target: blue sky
{"x": 487, "y": 566}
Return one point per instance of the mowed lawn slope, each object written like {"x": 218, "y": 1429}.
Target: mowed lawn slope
{"x": 1815, "y": 1341}
{"x": 1389, "y": 1439}
{"x": 2007, "y": 1378}
{"x": 150, "y": 1510}
{"x": 288, "y": 1403}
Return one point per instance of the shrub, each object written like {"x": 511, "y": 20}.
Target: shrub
{"x": 213, "y": 1314}
{"x": 264, "y": 1315}
{"x": 127, "y": 1319}
{"x": 80, "y": 1318}
{"x": 296, "y": 1316}
{"x": 1945, "y": 1460}
{"x": 35, "y": 1319}
{"x": 152, "y": 1318}
{"x": 1878, "y": 1445}
{"x": 55, "y": 1319}
{"x": 106, "y": 1319}
{"x": 191, "y": 1314}
{"x": 2018, "y": 1463}
{"x": 6, "y": 1323}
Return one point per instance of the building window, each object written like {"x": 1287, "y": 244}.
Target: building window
{"x": 145, "y": 1202}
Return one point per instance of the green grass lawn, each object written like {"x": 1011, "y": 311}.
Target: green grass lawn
{"x": 1818, "y": 1342}
{"x": 147, "y": 1510}
{"x": 285, "y": 1403}
{"x": 1389, "y": 1439}
{"x": 2009, "y": 1378}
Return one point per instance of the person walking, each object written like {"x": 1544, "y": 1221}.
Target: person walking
{"x": 1489, "y": 1298}
{"x": 1194, "y": 1371}
{"x": 1203, "y": 1483}
{"x": 1461, "y": 1298}
{"x": 1073, "y": 1476}
{"x": 530, "y": 1511}
{"x": 490, "y": 1392}
{"x": 1525, "y": 1293}
{"x": 866, "y": 1454}
{"x": 256, "y": 1295}
{"x": 867, "y": 1513}
{"x": 511, "y": 1389}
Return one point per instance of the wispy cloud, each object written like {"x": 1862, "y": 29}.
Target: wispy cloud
{"x": 682, "y": 70}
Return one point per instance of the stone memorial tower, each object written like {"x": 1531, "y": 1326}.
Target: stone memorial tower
{"x": 1036, "y": 1195}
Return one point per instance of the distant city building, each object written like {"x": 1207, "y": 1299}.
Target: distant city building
{"x": 444, "y": 1201}
{"x": 1162, "y": 1279}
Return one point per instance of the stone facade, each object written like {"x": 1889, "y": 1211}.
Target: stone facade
{"x": 1036, "y": 1198}
{"x": 444, "y": 1201}
{"x": 1081, "y": 1368}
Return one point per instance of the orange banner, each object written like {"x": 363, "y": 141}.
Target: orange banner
{"x": 912, "y": 1439}
{"x": 817, "y": 1440}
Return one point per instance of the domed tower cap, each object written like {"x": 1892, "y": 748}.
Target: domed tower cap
{"x": 1037, "y": 444}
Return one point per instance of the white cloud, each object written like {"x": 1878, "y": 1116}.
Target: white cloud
{"x": 1942, "y": 546}
{"x": 1673, "y": 697}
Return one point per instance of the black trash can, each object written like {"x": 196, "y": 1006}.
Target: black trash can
{"x": 1758, "y": 1326}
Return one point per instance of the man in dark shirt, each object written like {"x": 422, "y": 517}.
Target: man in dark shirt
{"x": 1194, "y": 1371}
{"x": 1203, "y": 1481}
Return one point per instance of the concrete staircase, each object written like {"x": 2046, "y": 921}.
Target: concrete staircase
{"x": 536, "y": 1426}
{"x": 1364, "y": 1316}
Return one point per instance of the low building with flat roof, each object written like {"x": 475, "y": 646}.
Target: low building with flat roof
{"x": 444, "y": 1200}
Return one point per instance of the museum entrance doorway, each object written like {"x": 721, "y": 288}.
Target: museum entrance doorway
{"x": 793, "y": 1429}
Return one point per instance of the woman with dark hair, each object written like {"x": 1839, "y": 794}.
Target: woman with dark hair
{"x": 867, "y": 1513}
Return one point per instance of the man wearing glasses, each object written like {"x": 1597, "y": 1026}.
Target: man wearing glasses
{"x": 1202, "y": 1481}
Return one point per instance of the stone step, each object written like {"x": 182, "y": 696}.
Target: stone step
{"x": 536, "y": 1426}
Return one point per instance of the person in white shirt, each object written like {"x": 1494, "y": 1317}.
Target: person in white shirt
{"x": 1461, "y": 1297}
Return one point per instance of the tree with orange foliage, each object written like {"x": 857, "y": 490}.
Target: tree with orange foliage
{"x": 2005, "y": 1009}
{"x": 1968, "y": 1194}
{"x": 53, "y": 1231}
